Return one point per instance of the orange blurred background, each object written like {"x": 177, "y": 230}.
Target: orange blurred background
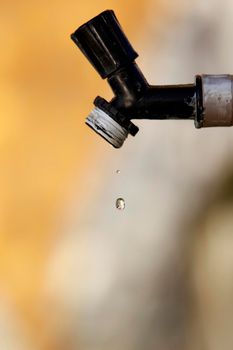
{"x": 74, "y": 274}
{"x": 47, "y": 89}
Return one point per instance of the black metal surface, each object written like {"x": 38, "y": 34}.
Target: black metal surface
{"x": 105, "y": 45}
{"x": 128, "y": 85}
{"x": 167, "y": 102}
{"x": 138, "y": 100}
{"x": 199, "y": 103}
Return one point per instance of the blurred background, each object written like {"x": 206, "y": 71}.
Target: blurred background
{"x": 76, "y": 273}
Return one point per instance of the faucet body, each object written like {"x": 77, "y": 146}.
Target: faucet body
{"x": 139, "y": 100}
{"x": 208, "y": 101}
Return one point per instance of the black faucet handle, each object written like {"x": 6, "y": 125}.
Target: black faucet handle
{"x": 104, "y": 43}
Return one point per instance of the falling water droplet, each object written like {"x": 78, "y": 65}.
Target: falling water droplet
{"x": 120, "y": 203}
{"x": 118, "y": 171}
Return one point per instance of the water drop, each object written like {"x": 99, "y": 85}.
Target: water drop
{"x": 120, "y": 203}
{"x": 118, "y": 171}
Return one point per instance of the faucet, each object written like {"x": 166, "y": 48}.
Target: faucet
{"x": 208, "y": 101}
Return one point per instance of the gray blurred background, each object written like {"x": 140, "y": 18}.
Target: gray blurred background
{"x": 75, "y": 272}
